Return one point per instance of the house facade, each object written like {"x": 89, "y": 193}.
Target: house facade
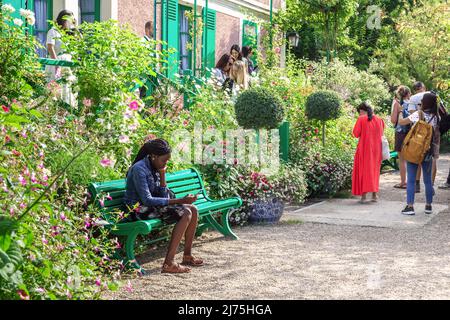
{"x": 219, "y": 24}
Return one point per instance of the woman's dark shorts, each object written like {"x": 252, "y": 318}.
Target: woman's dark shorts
{"x": 168, "y": 214}
{"x": 399, "y": 137}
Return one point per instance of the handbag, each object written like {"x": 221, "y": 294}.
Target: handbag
{"x": 386, "y": 153}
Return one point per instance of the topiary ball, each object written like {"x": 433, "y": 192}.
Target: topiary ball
{"x": 323, "y": 105}
{"x": 257, "y": 108}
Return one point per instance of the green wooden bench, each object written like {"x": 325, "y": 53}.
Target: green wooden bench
{"x": 181, "y": 183}
{"x": 392, "y": 161}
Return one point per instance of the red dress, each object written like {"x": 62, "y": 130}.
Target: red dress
{"x": 367, "y": 164}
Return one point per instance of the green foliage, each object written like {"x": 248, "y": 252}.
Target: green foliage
{"x": 352, "y": 85}
{"x": 289, "y": 184}
{"x": 421, "y": 51}
{"x": 328, "y": 170}
{"x": 112, "y": 59}
{"x": 258, "y": 108}
{"x": 323, "y": 106}
{"x": 20, "y": 71}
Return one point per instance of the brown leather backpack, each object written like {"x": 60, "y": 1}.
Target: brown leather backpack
{"x": 418, "y": 140}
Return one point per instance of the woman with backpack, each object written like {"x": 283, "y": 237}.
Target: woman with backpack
{"x": 366, "y": 169}
{"x": 429, "y": 113}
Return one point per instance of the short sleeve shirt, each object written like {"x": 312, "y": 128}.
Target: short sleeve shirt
{"x": 54, "y": 38}
{"x": 429, "y": 118}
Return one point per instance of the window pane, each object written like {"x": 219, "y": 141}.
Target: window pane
{"x": 185, "y": 62}
{"x": 88, "y": 18}
{"x": 41, "y": 25}
{"x": 86, "y": 10}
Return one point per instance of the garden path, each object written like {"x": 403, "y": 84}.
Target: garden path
{"x": 311, "y": 260}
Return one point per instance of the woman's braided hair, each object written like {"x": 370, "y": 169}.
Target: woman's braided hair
{"x": 157, "y": 147}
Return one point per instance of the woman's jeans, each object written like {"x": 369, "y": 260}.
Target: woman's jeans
{"x": 411, "y": 171}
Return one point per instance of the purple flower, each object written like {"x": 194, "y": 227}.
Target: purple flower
{"x": 124, "y": 139}
{"x": 63, "y": 217}
{"x": 44, "y": 241}
{"x": 98, "y": 282}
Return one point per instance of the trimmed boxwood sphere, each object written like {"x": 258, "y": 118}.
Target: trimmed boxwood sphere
{"x": 256, "y": 108}
{"x": 323, "y": 105}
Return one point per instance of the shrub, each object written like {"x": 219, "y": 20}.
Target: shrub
{"x": 323, "y": 105}
{"x": 328, "y": 170}
{"x": 289, "y": 184}
{"x": 257, "y": 108}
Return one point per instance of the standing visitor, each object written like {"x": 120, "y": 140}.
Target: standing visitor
{"x": 446, "y": 185}
{"x": 429, "y": 111}
{"x": 247, "y": 53}
{"x": 148, "y": 29}
{"x": 146, "y": 189}
{"x": 235, "y": 52}
{"x": 400, "y": 105}
{"x": 66, "y": 21}
{"x": 367, "y": 164}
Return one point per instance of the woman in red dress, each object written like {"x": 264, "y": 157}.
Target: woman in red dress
{"x": 366, "y": 169}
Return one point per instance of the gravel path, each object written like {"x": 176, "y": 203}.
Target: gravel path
{"x": 313, "y": 261}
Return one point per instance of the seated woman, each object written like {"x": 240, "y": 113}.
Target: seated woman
{"x": 148, "y": 195}
{"x": 240, "y": 77}
{"x": 221, "y": 72}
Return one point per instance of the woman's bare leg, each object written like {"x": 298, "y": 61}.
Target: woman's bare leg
{"x": 177, "y": 234}
{"x": 190, "y": 231}
{"x": 402, "y": 167}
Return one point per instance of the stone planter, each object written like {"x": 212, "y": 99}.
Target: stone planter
{"x": 266, "y": 211}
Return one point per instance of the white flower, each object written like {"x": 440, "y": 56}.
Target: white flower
{"x": 71, "y": 78}
{"x": 18, "y": 22}
{"x": 7, "y": 8}
{"x": 26, "y": 13}
{"x": 100, "y": 120}
{"x": 31, "y": 20}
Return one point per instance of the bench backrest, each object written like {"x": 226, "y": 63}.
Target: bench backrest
{"x": 181, "y": 183}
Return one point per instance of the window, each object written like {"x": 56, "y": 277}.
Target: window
{"x": 43, "y": 12}
{"x": 89, "y": 10}
{"x": 185, "y": 40}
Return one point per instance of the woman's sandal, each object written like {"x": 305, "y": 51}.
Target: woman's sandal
{"x": 400, "y": 186}
{"x": 174, "y": 268}
{"x": 192, "y": 261}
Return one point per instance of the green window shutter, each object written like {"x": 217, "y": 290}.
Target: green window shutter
{"x": 250, "y": 36}
{"x": 170, "y": 34}
{"x": 209, "y": 39}
{"x": 17, "y": 4}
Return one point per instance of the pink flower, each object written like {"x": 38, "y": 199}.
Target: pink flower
{"x": 7, "y": 139}
{"x": 129, "y": 287}
{"x": 277, "y": 50}
{"x": 108, "y": 197}
{"x": 98, "y": 282}
{"x": 11, "y": 211}
{"x": 63, "y": 217}
{"x": 23, "y": 134}
{"x": 87, "y": 102}
{"x": 152, "y": 110}
{"x": 22, "y": 181}
{"x": 5, "y": 108}
{"x": 44, "y": 240}
{"x": 33, "y": 177}
{"x": 16, "y": 153}
{"x": 134, "y": 105}
{"x": 23, "y": 295}
{"x": 185, "y": 122}
{"x": 124, "y": 139}
{"x": 22, "y": 205}
{"x": 102, "y": 203}
{"x": 105, "y": 162}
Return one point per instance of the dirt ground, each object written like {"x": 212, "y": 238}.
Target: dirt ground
{"x": 295, "y": 260}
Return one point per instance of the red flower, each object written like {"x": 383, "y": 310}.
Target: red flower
{"x": 5, "y": 108}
